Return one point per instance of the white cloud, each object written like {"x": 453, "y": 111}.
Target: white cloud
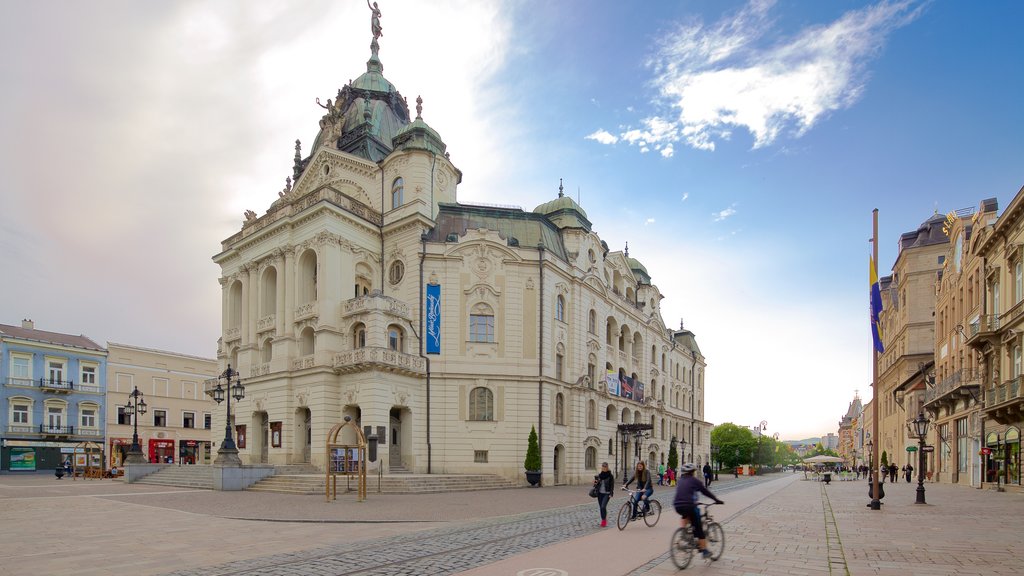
{"x": 712, "y": 79}
{"x": 723, "y": 214}
{"x": 685, "y": 196}
{"x": 668, "y": 150}
{"x": 602, "y": 136}
{"x": 649, "y": 221}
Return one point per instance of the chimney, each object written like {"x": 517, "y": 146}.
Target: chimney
{"x": 28, "y": 324}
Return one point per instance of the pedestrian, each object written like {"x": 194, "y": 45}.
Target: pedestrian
{"x": 644, "y": 488}
{"x": 685, "y": 502}
{"x": 707, "y": 474}
{"x": 671, "y": 473}
{"x": 909, "y": 471}
{"x": 605, "y": 484}
{"x": 893, "y": 471}
{"x": 661, "y": 474}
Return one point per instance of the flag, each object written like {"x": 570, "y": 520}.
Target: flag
{"x": 876, "y": 308}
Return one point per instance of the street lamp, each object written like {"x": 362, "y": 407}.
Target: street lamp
{"x": 715, "y": 462}
{"x": 227, "y": 455}
{"x": 921, "y": 428}
{"x": 682, "y": 449}
{"x": 136, "y": 406}
{"x": 763, "y": 425}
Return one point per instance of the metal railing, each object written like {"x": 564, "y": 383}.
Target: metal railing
{"x": 56, "y": 430}
{"x": 958, "y": 379}
{"x": 1005, "y": 392}
{"x": 51, "y": 384}
{"x": 985, "y": 323}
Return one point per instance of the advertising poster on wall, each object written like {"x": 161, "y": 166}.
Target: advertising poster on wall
{"x": 613, "y": 383}
{"x": 638, "y": 391}
{"x": 433, "y": 319}
{"x": 627, "y": 387}
{"x": 23, "y": 459}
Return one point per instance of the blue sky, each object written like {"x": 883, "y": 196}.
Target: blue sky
{"x": 738, "y": 147}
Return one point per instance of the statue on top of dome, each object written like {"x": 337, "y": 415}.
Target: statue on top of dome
{"x": 374, "y": 20}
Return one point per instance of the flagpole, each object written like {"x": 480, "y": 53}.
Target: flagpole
{"x": 876, "y": 503}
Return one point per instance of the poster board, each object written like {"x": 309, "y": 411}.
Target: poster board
{"x": 345, "y": 457}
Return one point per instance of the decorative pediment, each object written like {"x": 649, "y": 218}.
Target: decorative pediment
{"x": 483, "y": 292}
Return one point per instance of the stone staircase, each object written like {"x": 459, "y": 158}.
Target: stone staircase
{"x": 404, "y": 483}
{"x": 196, "y": 476}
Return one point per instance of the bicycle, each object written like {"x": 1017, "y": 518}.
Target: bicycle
{"x": 683, "y": 544}
{"x": 651, "y": 514}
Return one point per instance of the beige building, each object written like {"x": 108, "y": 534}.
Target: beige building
{"x": 995, "y": 330}
{"x": 908, "y": 306}
{"x": 954, "y": 402}
{"x": 177, "y": 423}
{"x": 448, "y": 330}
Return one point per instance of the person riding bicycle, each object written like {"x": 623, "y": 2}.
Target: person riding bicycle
{"x": 644, "y": 488}
{"x": 688, "y": 491}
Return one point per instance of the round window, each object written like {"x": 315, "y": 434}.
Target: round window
{"x": 396, "y": 272}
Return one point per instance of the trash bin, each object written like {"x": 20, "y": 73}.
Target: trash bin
{"x": 827, "y": 477}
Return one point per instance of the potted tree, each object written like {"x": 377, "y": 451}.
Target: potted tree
{"x": 532, "y": 462}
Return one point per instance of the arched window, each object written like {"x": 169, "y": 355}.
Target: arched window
{"x": 560, "y": 308}
{"x": 626, "y": 416}
{"x": 481, "y": 404}
{"x": 359, "y": 336}
{"x": 638, "y": 346}
{"x": 235, "y": 305}
{"x": 396, "y": 338}
{"x": 268, "y": 292}
{"x": 397, "y": 192}
{"x": 307, "y": 277}
{"x": 592, "y": 322}
{"x": 559, "y": 361}
{"x": 592, "y": 371}
{"x": 481, "y": 323}
{"x": 266, "y": 351}
{"x": 590, "y": 458}
{"x": 559, "y": 409}
{"x": 591, "y": 414}
{"x": 611, "y": 328}
{"x": 611, "y": 446}
{"x": 662, "y": 362}
{"x": 306, "y": 344}
{"x": 609, "y": 413}
{"x": 396, "y": 272}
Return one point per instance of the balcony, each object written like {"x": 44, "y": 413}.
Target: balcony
{"x": 58, "y": 386}
{"x": 983, "y": 331}
{"x": 56, "y": 431}
{"x": 22, "y": 429}
{"x": 266, "y": 324}
{"x": 376, "y": 302}
{"x": 307, "y": 310}
{"x": 381, "y": 359}
{"x": 960, "y": 385}
{"x": 1004, "y": 403}
{"x": 95, "y": 432}
{"x": 24, "y": 382}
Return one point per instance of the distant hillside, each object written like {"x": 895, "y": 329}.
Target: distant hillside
{"x": 807, "y": 441}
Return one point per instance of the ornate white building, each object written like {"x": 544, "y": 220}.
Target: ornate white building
{"x": 447, "y": 329}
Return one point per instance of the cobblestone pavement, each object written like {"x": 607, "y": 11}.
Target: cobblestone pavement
{"x": 778, "y": 524}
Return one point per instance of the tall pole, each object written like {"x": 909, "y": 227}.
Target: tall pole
{"x": 876, "y": 503}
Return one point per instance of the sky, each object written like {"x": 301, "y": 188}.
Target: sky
{"x": 738, "y": 147}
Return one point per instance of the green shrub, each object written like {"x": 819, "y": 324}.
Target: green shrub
{"x": 532, "y": 462}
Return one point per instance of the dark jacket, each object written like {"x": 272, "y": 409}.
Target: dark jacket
{"x": 687, "y": 489}
{"x": 643, "y": 483}
{"x": 605, "y": 483}
{"x": 707, "y": 470}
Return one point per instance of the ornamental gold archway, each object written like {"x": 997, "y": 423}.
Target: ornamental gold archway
{"x": 345, "y": 460}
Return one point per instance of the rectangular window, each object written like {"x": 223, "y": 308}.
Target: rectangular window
{"x": 995, "y": 299}
{"x": 21, "y": 370}
{"x": 481, "y": 328}
{"x": 55, "y": 418}
{"x": 207, "y": 421}
{"x": 188, "y": 420}
{"x": 590, "y": 375}
{"x": 945, "y": 454}
{"x": 122, "y": 416}
{"x": 89, "y": 418}
{"x": 20, "y": 414}
{"x": 159, "y": 417}
{"x": 962, "y": 456}
{"x": 558, "y": 366}
{"x": 1018, "y": 282}
{"x": 55, "y": 371}
{"x": 1016, "y": 361}
{"x": 480, "y": 456}
{"x": 88, "y": 375}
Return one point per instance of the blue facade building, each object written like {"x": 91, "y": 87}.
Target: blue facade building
{"x": 52, "y": 397}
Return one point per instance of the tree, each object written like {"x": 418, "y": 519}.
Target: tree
{"x": 532, "y": 462}
{"x": 885, "y": 458}
{"x": 673, "y": 457}
{"x": 736, "y": 444}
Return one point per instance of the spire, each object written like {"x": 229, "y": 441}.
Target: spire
{"x": 297, "y": 166}
{"x": 374, "y": 64}
{"x": 560, "y": 190}
{"x": 627, "y": 249}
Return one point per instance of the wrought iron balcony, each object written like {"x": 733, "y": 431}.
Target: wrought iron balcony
{"x": 56, "y": 430}
{"x": 982, "y": 330}
{"x": 960, "y": 384}
{"x": 51, "y": 385}
{"x": 1004, "y": 403}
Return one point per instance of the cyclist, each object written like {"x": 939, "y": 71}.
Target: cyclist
{"x": 688, "y": 490}
{"x": 644, "y": 489}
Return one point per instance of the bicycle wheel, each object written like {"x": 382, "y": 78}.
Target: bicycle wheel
{"x": 681, "y": 548}
{"x": 716, "y": 539}
{"x": 652, "y": 516}
{"x": 624, "y": 514}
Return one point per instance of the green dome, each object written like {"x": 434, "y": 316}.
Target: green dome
{"x": 564, "y": 212}
{"x": 560, "y": 203}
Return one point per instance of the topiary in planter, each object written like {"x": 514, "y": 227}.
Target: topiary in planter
{"x": 532, "y": 462}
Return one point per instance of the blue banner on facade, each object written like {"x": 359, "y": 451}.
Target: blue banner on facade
{"x": 433, "y": 318}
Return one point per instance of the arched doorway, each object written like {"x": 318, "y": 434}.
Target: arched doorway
{"x": 261, "y": 437}
{"x": 303, "y": 436}
{"x": 395, "y": 438}
{"x": 558, "y": 461}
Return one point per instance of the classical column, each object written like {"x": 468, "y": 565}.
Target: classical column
{"x": 288, "y": 294}
{"x": 282, "y": 281}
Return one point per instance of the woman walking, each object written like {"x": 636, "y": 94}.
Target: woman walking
{"x": 605, "y": 484}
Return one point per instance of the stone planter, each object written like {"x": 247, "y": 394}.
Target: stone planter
{"x": 533, "y": 477}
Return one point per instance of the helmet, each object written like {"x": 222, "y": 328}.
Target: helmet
{"x": 688, "y": 467}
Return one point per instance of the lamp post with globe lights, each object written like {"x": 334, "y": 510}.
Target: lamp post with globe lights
{"x": 136, "y": 406}
{"x": 227, "y": 454}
